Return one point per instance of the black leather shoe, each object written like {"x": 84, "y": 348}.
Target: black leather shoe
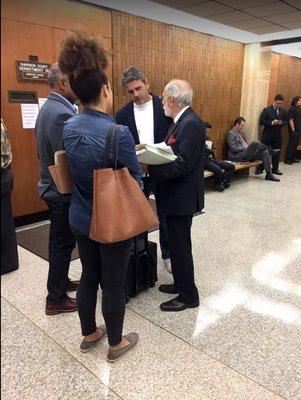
{"x": 226, "y": 184}
{"x": 177, "y": 305}
{"x": 270, "y": 177}
{"x": 171, "y": 289}
{"x": 219, "y": 188}
{"x": 277, "y": 172}
{"x": 288, "y": 162}
{"x": 274, "y": 152}
{"x": 295, "y": 161}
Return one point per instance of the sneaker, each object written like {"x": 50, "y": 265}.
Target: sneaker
{"x": 69, "y": 305}
{"x": 115, "y": 355}
{"x": 167, "y": 265}
{"x": 270, "y": 177}
{"x": 276, "y": 172}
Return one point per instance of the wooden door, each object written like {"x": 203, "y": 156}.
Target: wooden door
{"x": 19, "y": 40}
{"x": 36, "y": 27}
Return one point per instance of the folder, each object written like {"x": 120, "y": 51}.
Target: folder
{"x": 61, "y": 173}
{"x": 154, "y": 154}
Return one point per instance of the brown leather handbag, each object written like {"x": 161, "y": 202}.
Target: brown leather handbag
{"x": 120, "y": 208}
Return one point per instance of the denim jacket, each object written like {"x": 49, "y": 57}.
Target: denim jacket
{"x": 84, "y": 141}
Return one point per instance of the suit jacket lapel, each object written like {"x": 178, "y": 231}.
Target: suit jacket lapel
{"x": 156, "y": 113}
{"x": 132, "y": 123}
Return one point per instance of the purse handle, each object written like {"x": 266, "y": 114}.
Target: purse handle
{"x": 112, "y": 142}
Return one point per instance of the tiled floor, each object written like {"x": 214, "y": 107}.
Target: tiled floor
{"x": 243, "y": 343}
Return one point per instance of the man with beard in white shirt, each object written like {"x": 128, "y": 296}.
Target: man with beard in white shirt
{"x": 145, "y": 118}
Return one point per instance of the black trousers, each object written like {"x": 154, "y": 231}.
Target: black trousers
{"x": 273, "y": 141}
{"x": 9, "y": 253}
{"x": 293, "y": 141}
{"x": 179, "y": 235}
{"x": 104, "y": 265}
{"x": 217, "y": 167}
{"x": 61, "y": 244}
{"x": 163, "y": 235}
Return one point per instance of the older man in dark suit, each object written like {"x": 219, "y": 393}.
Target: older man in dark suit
{"x": 49, "y": 134}
{"x": 145, "y": 118}
{"x": 181, "y": 191}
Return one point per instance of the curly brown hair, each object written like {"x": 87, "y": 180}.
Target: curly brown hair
{"x": 80, "y": 52}
{"x": 83, "y": 58}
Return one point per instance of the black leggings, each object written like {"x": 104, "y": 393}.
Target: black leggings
{"x": 105, "y": 265}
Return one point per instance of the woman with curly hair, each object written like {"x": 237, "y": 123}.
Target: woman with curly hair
{"x": 84, "y": 60}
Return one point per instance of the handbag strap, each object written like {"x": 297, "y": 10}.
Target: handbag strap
{"x": 112, "y": 143}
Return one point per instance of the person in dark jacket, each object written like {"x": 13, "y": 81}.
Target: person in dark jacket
{"x": 58, "y": 108}
{"x": 273, "y": 118}
{"x": 181, "y": 190}
{"x": 84, "y": 60}
{"x": 294, "y": 130}
{"x": 222, "y": 170}
{"x": 145, "y": 118}
{"x": 9, "y": 252}
{"x": 240, "y": 150}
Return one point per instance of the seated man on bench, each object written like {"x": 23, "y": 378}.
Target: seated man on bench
{"x": 239, "y": 150}
{"x": 221, "y": 179}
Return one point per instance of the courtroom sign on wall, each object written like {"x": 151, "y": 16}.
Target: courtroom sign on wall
{"x": 28, "y": 71}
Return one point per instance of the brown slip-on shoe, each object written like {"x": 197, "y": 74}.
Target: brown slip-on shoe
{"x": 69, "y": 305}
{"x": 86, "y": 346}
{"x": 115, "y": 355}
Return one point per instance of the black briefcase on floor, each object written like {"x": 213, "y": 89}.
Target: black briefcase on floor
{"x": 142, "y": 268}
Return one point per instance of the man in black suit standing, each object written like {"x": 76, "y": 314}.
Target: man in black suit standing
{"x": 181, "y": 190}
{"x": 273, "y": 118}
{"x": 49, "y": 134}
{"x": 145, "y": 118}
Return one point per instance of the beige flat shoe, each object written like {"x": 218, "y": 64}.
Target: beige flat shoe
{"x": 115, "y": 355}
{"x": 87, "y": 346}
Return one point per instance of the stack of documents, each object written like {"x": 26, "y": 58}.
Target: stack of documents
{"x": 154, "y": 154}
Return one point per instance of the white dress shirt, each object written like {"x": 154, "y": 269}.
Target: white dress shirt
{"x": 144, "y": 119}
{"x": 179, "y": 114}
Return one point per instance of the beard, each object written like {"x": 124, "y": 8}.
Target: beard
{"x": 167, "y": 111}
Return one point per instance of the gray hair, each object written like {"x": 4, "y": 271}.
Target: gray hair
{"x": 180, "y": 91}
{"x": 54, "y": 75}
{"x": 132, "y": 74}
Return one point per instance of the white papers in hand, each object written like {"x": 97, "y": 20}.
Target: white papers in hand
{"x": 151, "y": 154}
{"x": 163, "y": 146}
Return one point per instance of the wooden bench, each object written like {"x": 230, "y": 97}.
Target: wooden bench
{"x": 238, "y": 166}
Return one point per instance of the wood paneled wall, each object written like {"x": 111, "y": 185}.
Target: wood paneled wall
{"x": 212, "y": 65}
{"x": 36, "y": 27}
{"x": 285, "y": 78}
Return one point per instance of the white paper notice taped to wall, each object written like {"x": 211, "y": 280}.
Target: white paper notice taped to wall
{"x": 29, "y": 115}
